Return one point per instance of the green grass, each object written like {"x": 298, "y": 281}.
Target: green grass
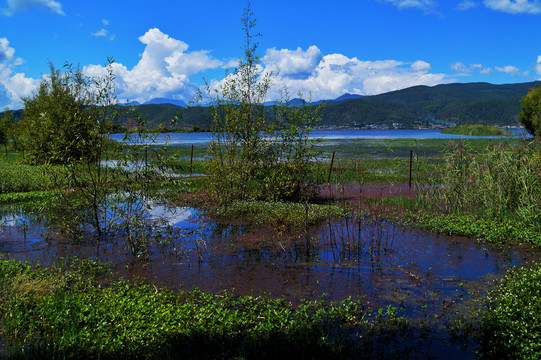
{"x": 20, "y": 178}
{"x": 494, "y": 194}
{"x": 497, "y": 230}
{"x": 378, "y": 170}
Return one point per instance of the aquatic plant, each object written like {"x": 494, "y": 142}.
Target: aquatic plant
{"x": 511, "y": 322}
{"x": 278, "y": 214}
{"x": 77, "y": 310}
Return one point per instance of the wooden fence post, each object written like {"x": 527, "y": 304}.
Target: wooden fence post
{"x": 191, "y": 162}
{"x": 411, "y": 162}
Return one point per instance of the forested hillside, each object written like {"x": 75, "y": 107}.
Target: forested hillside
{"x": 418, "y": 106}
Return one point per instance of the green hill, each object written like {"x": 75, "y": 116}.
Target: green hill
{"x": 467, "y": 103}
{"x": 458, "y": 103}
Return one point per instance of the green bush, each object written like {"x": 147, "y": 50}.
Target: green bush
{"x": 511, "y": 323}
{"x": 258, "y": 152}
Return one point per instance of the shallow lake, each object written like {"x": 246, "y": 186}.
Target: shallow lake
{"x": 187, "y": 139}
{"x": 385, "y": 262}
{"x": 426, "y": 276}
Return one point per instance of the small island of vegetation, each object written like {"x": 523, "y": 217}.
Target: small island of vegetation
{"x": 476, "y": 130}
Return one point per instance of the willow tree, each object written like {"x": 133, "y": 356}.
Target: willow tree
{"x": 257, "y": 151}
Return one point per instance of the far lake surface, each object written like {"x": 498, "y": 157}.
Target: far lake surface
{"x": 186, "y": 139}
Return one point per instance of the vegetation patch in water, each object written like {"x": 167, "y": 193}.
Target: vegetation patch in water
{"x": 77, "y": 310}
{"x": 494, "y": 194}
{"x": 476, "y": 130}
{"x": 501, "y": 230}
{"x": 278, "y": 214}
{"x": 511, "y": 323}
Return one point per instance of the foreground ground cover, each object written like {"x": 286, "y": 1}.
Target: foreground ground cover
{"x": 69, "y": 311}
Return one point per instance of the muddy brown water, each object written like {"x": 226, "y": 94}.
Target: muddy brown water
{"x": 384, "y": 262}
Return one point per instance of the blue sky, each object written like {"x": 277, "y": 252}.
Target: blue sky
{"x": 322, "y": 48}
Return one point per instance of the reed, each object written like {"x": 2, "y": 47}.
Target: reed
{"x": 501, "y": 183}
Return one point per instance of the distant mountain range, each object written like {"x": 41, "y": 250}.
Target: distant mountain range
{"x": 166, "y": 101}
{"x": 418, "y": 106}
{"x": 155, "y": 101}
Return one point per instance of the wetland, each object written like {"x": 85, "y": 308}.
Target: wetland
{"x": 366, "y": 244}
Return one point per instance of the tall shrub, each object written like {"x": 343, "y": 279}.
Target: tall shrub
{"x": 105, "y": 186}
{"x": 258, "y": 152}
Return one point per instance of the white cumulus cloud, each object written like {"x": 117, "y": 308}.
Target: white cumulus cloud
{"x": 13, "y": 86}
{"x": 515, "y": 6}
{"x": 23, "y": 5}
{"x": 293, "y": 63}
{"x": 163, "y": 70}
{"x": 538, "y": 66}
{"x": 328, "y": 76}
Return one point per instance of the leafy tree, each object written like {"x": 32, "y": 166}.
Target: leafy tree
{"x": 258, "y": 152}
{"x": 6, "y": 123}
{"x": 57, "y": 124}
{"x": 530, "y": 113}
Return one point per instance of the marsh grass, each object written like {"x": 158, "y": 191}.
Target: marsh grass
{"x": 281, "y": 216}
{"x": 16, "y": 177}
{"x": 501, "y": 184}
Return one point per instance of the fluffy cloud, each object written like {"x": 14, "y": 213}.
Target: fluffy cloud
{"x": 467, "y": 69}
{"x": 538, "y": 66}
{"x": 23, "y": 5}
{"x": 509, "y": 70}
{"x": 13, "y": 85}
{"x": 295, "y": 64}
{"x": 329, "y": 76}
{"x": 419, "y": 4}
{"x": 162, "y": 71}
{"x": 515, "y": 6}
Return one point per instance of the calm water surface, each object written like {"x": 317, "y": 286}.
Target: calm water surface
{"x": 383, "y": 261}
{"x": 424, "y": 275}
{"x": 186, "y": 139}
